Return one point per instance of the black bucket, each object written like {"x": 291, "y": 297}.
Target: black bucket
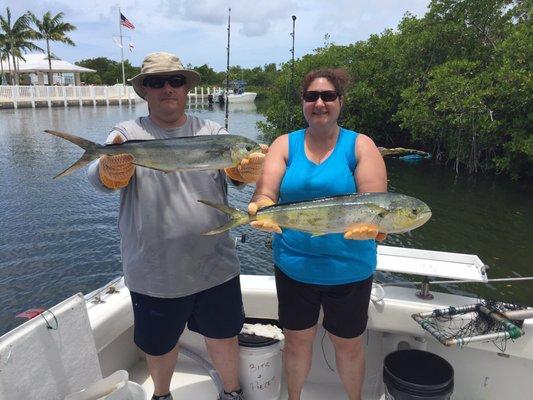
{"x": 417, "y": 375}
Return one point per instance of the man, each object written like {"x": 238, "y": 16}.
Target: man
{"x": 175, "y": 275}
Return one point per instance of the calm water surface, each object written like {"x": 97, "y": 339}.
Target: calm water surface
{"x": 59, "y": 237}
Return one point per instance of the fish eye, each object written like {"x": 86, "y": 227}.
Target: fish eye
{"x": 248, "y": 148}
{"x": 414, "y": 211}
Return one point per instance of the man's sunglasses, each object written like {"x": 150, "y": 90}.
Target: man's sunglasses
{"x": 157, "y": 82}
{"x": 326, "y": 95}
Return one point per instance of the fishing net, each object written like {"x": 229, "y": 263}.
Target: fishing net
{"x": 486, "y": 321}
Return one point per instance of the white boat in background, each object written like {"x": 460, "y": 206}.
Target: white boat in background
{"x": 235, "y": 93}
{"x": 77, "y": 342}
{"x": 245, "y": 97}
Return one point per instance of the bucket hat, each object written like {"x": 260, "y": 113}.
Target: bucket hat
{"x": 162, "y": 63}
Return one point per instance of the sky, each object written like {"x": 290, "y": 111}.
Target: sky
{"x": 196, "y": 30}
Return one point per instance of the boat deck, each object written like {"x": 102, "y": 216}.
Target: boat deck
{"x": 191, "y": 381}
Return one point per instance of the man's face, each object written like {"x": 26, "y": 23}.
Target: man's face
{"x": 166, "y": 96}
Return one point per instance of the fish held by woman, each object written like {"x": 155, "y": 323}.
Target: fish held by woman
{"x": 169, "y": 155}
{"x": 390, "y": 212}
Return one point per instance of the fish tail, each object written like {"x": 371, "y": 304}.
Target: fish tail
{"x": 236, "y": 217}
{"x": 91, "y": 152}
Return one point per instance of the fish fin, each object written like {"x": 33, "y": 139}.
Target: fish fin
{"x": 318, "y": 234}
{"x": 237, "y": 217}
{"x": 381, "y": 211}
{"x": 91, "y": 151}
{"x": 315, "y": 235}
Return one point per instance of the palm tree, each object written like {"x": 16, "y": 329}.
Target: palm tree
{"x": 17, "y": 38}
{"x": 52, "y": 29}
{"x": 3, "y": 56}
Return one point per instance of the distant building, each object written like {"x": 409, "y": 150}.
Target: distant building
{"x": 63, "y": 72}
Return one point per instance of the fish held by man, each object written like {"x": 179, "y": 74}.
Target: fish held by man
{"x": 390, "y": 212}
{"x": 206, "y": 152}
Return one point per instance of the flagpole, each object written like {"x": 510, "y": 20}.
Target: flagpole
{"x": 121, "y": 51}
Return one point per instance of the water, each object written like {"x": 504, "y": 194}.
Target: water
{"x": 59, "y": 237}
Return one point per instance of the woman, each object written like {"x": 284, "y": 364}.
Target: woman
{"x": 332, "y": 270}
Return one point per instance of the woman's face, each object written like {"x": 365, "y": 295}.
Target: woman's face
{"x": 320, "y": 113}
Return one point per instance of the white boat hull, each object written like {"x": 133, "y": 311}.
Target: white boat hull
{"x": 246, "y": 97}
{"x": 31, "y": 351}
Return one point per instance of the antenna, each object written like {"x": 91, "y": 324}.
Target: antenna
{"x": 291, "y": 95}
{"x": 227, "y": 72}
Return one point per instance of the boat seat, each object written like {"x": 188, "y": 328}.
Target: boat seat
{"x": 51, "y": 355}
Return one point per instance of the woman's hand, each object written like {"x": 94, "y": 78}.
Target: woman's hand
{"x": 265, "y": 225}
{"x": 365, "y": 232}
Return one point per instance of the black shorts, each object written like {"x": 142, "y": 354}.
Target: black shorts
{"x": 345, "y": 306}
{"x": 215, "y": 313}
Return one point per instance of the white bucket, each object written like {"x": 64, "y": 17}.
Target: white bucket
{"x": 115, "y": 387}
{"x": 260, "y": 370}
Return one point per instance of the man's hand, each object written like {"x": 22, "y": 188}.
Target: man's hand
{"x": 249, "y": 169}
{"x": 364, "y": 232}
{"x": 268, "y": 226}
{"x": 116, "y": 171}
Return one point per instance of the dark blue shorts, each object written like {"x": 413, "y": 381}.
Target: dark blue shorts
{"x": 215, "y": 313}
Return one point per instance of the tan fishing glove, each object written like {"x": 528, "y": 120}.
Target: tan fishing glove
{"x": 268, "y": 226}
{"x": 365, "y": 232}
{"x": 116, "y": 171}
{"x": 249, "y": 169}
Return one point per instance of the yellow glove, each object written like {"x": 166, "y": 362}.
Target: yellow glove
{"x": 116, "y": 171}
{"x": 364, "y": 232}
{"x": 249, "y": 169}
{"x": 268, "y": 226}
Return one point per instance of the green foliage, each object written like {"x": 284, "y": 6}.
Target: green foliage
{"x": 15, "y": 38}
{"x": 456, "y": 82}
{"x": 451, "y": 113}
{"x": 209, "y": 75}
{"x": 108, "y": 72}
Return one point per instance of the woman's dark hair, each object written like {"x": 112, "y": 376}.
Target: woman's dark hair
{"x": 337, "y": 76}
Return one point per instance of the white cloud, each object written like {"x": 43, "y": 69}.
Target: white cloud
{"x": 196, "y": 29}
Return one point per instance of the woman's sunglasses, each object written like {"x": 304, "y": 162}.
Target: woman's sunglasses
{"x": 157, "y": 82}
{"x": 326, "y": 95}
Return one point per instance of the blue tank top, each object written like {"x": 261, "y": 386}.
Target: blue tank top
{"x": 328, "y": 259}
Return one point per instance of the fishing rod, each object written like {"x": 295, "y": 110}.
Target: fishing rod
{"x": 227, "y": 72}
{"x": 409, "y": 283}
{"x": 291, "y": 98}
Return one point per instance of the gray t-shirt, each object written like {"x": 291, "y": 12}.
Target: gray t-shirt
{"x": 161, "y": 221}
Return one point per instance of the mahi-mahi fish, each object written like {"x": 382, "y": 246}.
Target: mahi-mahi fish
{"x": 169, "y": 155}
{"x": 390, "y": 212}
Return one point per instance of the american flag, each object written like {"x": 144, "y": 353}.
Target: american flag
{"x": 126, "y": 22}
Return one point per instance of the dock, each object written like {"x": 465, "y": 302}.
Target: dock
{"x": 79, "y": 96}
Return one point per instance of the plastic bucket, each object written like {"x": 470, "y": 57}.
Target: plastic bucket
{"x": 415, "y": 375}
{"x": 259, "y": 367}
{"x": 114, "y": 387}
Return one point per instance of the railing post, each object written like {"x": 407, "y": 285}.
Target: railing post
{"x": 79, "y": 89}
{"x": 65, "y": 103}
{"x": 93, "y": 93}
{"x": 32, "y": 96}
{"x": 106, "y": 96}
{"x": 14, "y": 94}
{"x": 202, "y": 93}
{"x": 48, "y": 98}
